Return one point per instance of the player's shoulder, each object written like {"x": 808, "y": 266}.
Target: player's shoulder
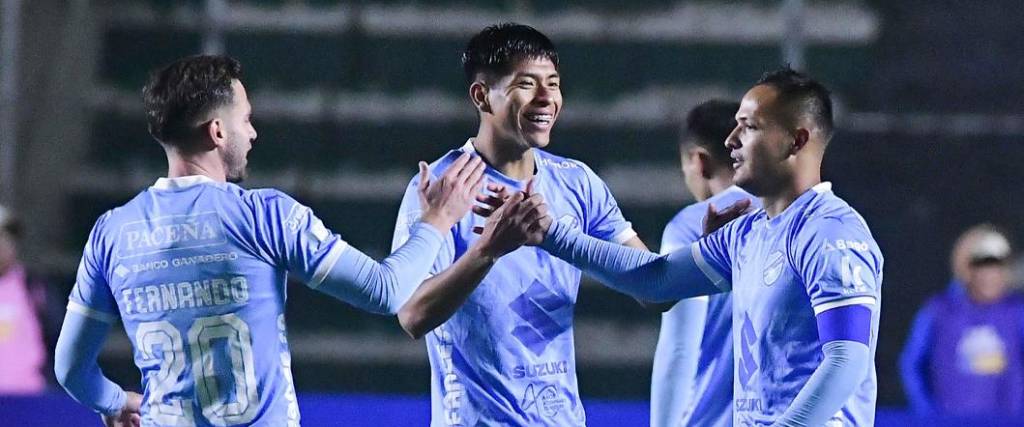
{"x": 828, "y": 212}
{"x": 267, "y": 199}
{"x": 439, "y": 166}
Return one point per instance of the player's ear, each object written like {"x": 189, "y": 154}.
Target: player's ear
{"x": 800, "y": 139}
{"x": 703, "y": 161}
{"x": 215, "y": 131}
{"x": 478, "y": 94}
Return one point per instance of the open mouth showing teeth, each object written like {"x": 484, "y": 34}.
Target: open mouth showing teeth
{"x": 540, "y": 118}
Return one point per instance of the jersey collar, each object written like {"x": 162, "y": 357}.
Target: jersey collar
{"x": 182, "y": 182}
{"x": 505, "y": 179}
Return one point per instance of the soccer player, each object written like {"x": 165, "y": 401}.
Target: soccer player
{"x": 506, "y": 357}
{"x": 804, "y": 270}
{"x": 691, "y": 384}
{"x": 195, "y": 267}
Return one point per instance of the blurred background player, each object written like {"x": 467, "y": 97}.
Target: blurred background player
{"x": 506, "y": 356}
{"x": 804, "y": 270}
{"x": 691, "y": 384}
{"x": 965, "y": 353}
{"x": 196, "y": 267}
{"x": 26, "y": 320}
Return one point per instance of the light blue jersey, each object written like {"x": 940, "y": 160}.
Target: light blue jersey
{"x": 691, "y": 383}
{"x": 506, "y": 357}
{"x": 196, "y": 270}
{"x": 815, "y": 256}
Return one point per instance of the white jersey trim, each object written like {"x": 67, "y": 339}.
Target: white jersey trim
{"x": 822, "y": 187}
{"x": 624, "y": 236}
{"x": 182, "y": 182}
{"x": 820, "y": 308}
{"x": 91, "y": 313}
{"x": 327, "y": 264}
{"x": 709, "y": 271}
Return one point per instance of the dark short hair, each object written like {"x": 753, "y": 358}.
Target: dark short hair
{"x": 178, "y": 95}
{"x": 495, "y": 50}
{"x": 804, "y": 95}
{"x": 708, "y": 125}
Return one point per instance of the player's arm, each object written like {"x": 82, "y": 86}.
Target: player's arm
{"x": 637, "y": 273}
{"x": 440, "y": 296}
{"x": 840, "y": 266}
{"x": 91, "y": 309}
{"x": 676, "y": 358}
{"x": 915, "y": 360}
{"x": 659, "y": 307}
{"x": 845, "y": 334}
{"x": 77, "y": 370}
{"x": 385, "y": 287}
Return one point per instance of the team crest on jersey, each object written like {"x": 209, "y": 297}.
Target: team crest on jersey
{"x": 546, "y": 400}
{"x": 773, "y": 268}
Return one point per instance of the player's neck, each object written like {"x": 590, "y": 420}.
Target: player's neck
{"x": 509, "y": 158}
{"x": 719, "y": 183}
{"x": 774, "y": 204}
{"x": 206, "y": 164}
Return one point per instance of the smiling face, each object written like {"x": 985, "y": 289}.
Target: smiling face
{"x": 524, "y": 104}
{"x": 761, "y": 145}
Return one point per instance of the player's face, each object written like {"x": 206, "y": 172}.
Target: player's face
{"x": 240, "y": 134}
{"x": 693, "y": 172}
{"x": 988, "y": 282}
{"x": 761, "y": 144}
{"x": 526, "y": 103}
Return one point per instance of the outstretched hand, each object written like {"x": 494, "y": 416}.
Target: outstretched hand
{"x": 512, "y": 221}
{"x": 129, "y": 415}
{"x": 715, "y": 219}
{"x": 450, "y": 197}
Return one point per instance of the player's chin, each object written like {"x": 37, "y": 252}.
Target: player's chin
{"x": 538, "y": 139}
{"x": 238, "y": 176}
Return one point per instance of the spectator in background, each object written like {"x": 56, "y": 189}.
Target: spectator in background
{"x": 23, "y": 355}
{"x": 964, "y": 354}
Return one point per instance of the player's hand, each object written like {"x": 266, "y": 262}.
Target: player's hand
{"x": 449, "y": 198}
{"x": 129, "y": 415}
{"x": 490, "y": 202}
{"x": 520, "y": 220}
{"x": 715, "y": 219}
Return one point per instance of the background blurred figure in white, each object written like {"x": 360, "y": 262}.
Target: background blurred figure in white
{"x": 972, "y": 361}
{"x": 23, "y": 353}
{"x": 691, "y": 383}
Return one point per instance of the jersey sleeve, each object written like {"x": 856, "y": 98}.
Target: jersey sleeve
{"x": 409, "y": 214}
{"x": 295, "y": 239}
{"x": 839, "y": 262}
{"x": 91, "y": 295}
{"x": 604, "y": 218}
{"x": 714, "y": 254}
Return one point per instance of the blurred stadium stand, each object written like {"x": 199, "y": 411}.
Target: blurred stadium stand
{"x": 349, "y": 95}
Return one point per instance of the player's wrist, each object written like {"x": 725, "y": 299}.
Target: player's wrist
{"x": 437, "y": 220}
{"x": 486, "y": 252}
